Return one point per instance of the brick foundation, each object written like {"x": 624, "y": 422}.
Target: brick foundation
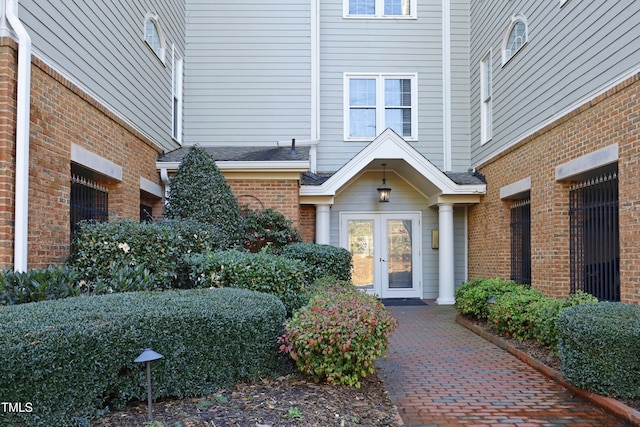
{"x": 612, "y": 118}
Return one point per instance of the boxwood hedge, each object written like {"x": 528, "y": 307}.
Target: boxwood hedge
{"x": 321, "y": 260}
{"x": 598, "y": 348}
{"x": 73, "y": 359}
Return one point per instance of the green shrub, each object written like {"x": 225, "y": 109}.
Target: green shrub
{"x": 338, "y": 336}
{"x": 38, "y": 285}
{"x": 546, "y": 312}
{"x": 321, "y": 260}
{"x": 199, "y": 191}
{"x": 108, "y": 252}
{"x": 268, "y": 228}
{"x": 472, "y": 297}
{"x": 262, "y": 272}
{"x": 511, "y": 313}
{"x": 598, "y": 347}
{"x": 73, "y": 358}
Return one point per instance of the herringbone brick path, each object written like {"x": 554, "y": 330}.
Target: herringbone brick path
{"x": 439, "y": 373}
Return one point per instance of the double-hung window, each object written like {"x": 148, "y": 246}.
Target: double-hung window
{"x": 375, "y": 102}
{"x": 379, "y": 8}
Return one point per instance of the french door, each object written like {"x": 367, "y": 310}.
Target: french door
{"x": 386, "y": 252}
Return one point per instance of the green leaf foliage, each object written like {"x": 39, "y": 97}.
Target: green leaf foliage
{"x": 262, "y": 272}
{"x": 321, "y": 260}
{"x": 74, "y": 358}
{"x": 38, "y": 285}
{"x": 598, "y": 348}
{"x": 268, "y": 229}
{"x": 338, "y": 336}
{"x": 199, "y": 191}
{"x": 511, "y": 313}
{"x": 126, "y": 255}
{"x": 472, "y": 298}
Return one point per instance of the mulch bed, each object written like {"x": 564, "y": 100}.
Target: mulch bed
{"x": 287, "y": 401}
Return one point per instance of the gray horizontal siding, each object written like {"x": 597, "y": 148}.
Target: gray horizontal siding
{"x": 100, "y": 47}
{"x": 572, "y": 52}
{"x": 379, "y": 46}
{"x": 247, "y": 72}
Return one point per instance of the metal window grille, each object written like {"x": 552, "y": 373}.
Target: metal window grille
{"x": 520, "y": 224}
{"x": 89, "y": 201}
{"x": 594, "y": 234}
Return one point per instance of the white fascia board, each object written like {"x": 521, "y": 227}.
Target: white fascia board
{"x": 234, "y": 166}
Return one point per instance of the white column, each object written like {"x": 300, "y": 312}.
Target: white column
{"x": 323, "y": 223}
{"x": 446, "y": 289}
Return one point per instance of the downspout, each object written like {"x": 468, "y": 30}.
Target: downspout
{"x": 23, "y": 98}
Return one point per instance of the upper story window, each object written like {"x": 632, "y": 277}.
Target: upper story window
{"x": 153, "y": 35}
{"x": 375, "y": 102}
{"x": 379, "y": 8}
{"x": 176, "y": 90}
{"x": 515, "y": 38}
{"x": 486, "y": 99}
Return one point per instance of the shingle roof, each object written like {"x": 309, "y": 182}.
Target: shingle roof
{"x": 243, "y": 154}
{"x": 466, "y": 178}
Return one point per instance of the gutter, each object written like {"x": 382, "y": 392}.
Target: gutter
{"x": 23, "y": 98}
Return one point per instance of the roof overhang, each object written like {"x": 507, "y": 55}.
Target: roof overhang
{"x": 436, "y": 185}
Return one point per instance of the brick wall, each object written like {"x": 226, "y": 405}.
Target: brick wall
{"x": 8, "y": 68}
{"x": 279, "y": 194}
{"x": 62, "y": 115}
{"x": 611, "y": 118}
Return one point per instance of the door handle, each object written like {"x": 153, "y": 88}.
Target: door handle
{"x": 383, "y": 260}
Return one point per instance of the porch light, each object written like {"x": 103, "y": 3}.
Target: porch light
{"x": 148, "y": 356}
{"x": 384, "y": 191}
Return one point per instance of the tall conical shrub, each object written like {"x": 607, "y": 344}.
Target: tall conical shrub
{"x": 198, "y": 191}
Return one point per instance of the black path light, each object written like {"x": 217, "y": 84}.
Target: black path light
{"x": 148, "y": 356}
{"x": 384, "y": 191}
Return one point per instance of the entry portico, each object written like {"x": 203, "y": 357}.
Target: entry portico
{"x": 348, "y": 199}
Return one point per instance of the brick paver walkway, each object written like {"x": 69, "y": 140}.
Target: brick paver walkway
{"x": 439, "y": 373}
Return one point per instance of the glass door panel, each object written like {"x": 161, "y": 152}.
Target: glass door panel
{"x": 361, "y": 245}
{"x": 400, "y": 254}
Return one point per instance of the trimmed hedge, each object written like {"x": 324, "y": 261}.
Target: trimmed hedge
{"x": 511, "y": 313}
{"x": 210, "y": 338}
{"x": 321, "y": 260}
{"x": 262, "y": 272}
{"x": 599, "y": 346}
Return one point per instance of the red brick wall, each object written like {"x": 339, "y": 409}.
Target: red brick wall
{"x": 308, "y": 223}
{"x": 62, "y": 115}
{"x": 611, "y": 118}
{"x": 8, "y": 71}
{"x": 279, "y": 194}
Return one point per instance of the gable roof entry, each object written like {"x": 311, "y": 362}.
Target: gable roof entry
{"x": 390, "y": 146}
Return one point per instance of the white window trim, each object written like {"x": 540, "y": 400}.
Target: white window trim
{"x": 151, "y": 16}
{"x": 514, "y": 19}
{"x": 486, "y": 100}
{"x": 177, "y": 65}
{"x": 380, "y": 78}
{"x": 379, "y": 14}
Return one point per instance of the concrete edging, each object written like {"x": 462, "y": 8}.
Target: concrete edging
{"x": 608, "y": 404}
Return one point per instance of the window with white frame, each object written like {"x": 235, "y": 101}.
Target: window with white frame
{"x": 176, "y": 77}
{"x": 379, "y": 8}
{"x": 153, "y": 35}
{"x": 515, "y": 38}
{"x": 486, "y": 101}
{"x": 375, "y": 102}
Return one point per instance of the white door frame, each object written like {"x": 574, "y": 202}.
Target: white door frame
{"x": 380, "y": 250}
